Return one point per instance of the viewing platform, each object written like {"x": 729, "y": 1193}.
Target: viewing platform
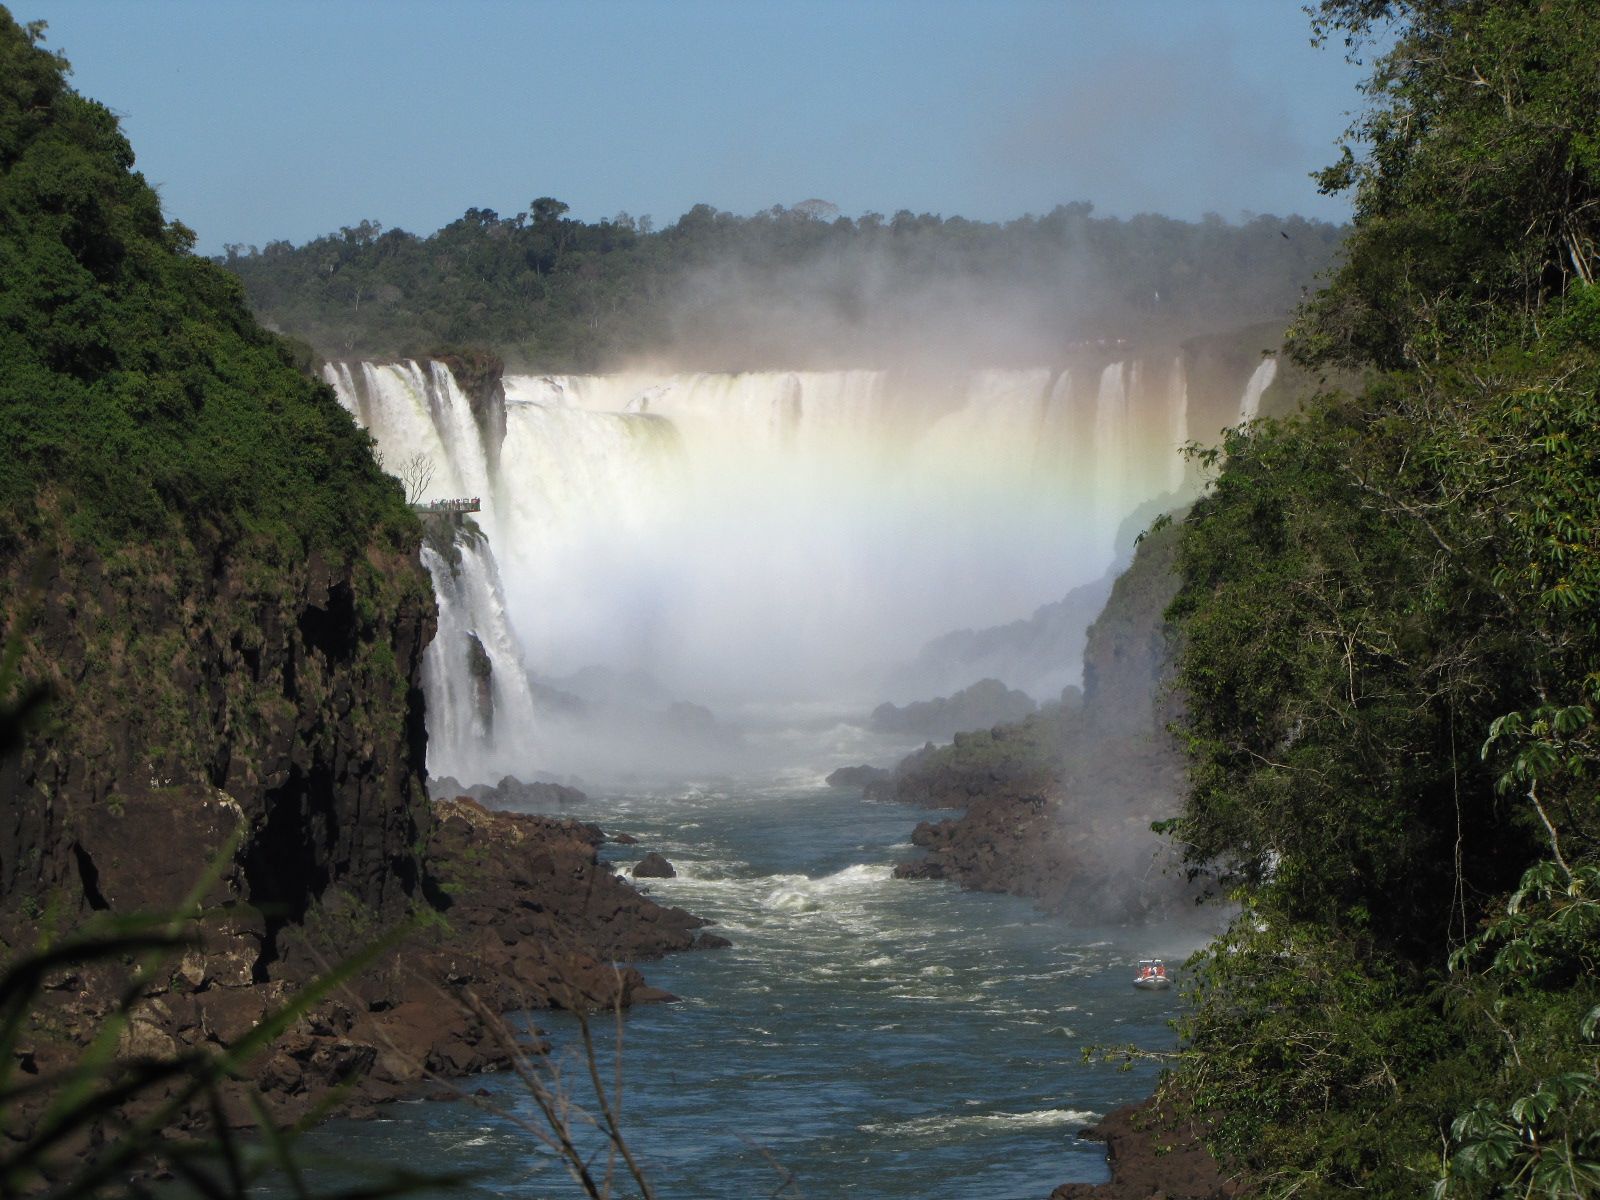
{"x": 452, "y": 507}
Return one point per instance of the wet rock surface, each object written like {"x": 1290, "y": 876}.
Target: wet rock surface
{"x": 862, "y": 777}
{"x": 654, "y": 866}
{"x": 1058, "y": 807}
{"x": 528, "y": 919}
{"x": 1152, "y": 1153}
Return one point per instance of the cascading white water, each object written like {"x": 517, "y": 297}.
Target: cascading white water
{"x": 812, "y": 524}
{"x": 415, "y": 410}
{"x": 1178, "y": 424}
{"x": 479, "y": 727}
{"x": 763, "y": 538}
{"x": 481, "y": 723}
{"x": 1260, "y": 380}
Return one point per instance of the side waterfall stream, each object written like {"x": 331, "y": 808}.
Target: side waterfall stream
{"x": 876, "y": 1037}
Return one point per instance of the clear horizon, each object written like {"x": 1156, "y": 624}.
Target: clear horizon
{"x": 258, "y": 124}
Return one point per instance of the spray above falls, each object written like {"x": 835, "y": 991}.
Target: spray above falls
{"x": 763, "y": 541}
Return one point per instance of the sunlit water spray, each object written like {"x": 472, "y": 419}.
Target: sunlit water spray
{"x": 765, "y": 539}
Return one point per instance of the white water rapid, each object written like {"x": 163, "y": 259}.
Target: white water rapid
{"x": 759, "y": 542}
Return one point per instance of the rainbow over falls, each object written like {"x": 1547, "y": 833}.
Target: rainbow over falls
{"x": 763, "y": 542}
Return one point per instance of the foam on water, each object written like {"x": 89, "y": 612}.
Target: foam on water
{"x": 997, "y": 1122}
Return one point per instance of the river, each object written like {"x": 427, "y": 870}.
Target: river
{"x": 871, "y": 1036}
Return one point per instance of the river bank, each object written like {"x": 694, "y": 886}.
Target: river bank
{"x": 1152, "y": 1152}
{"x": 529, "y": 917}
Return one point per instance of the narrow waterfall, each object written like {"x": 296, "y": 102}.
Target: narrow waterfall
{"x": 1178, "y": 424}
{"x": 1260, "y": 380}
{"x": 481, "y": 718}
{"x": 414, "y": 410}
{"x": 761, "y": 539}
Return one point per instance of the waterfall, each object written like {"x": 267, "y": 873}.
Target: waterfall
{"x": 1110, "y": 443}
{"x": 1178, "y": 425}
{"x": 1260, "y": 380}
{"x": 758, "y": 538}
{"x": 415, "y": 410}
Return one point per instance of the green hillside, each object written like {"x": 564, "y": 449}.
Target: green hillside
{"x": 139, "y": 394}
{"x": 198, "y": 556}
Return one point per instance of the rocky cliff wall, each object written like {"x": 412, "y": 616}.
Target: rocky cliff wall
{"x": 286, "y": 690}
{"x": 1127, "y": 655}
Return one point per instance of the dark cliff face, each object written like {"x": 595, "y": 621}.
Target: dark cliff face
{"x": 1127, "y": 655}
{"x": 286, "y": 691}
{"x": 223, "y": 594}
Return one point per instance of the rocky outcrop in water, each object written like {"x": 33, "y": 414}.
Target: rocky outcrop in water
{"x": 654, "y": 866}
{"x": 531, "y": 920}
{"x": 862, "y": 777}
{"x": 510, "y": 793}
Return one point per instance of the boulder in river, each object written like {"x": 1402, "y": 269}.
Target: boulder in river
{"x": 654, "y": 866}
{"x": 510, "y": 794}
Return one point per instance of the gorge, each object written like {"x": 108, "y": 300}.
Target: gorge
{"x": 834, "y": 962}
{"x": 793, "y": 631}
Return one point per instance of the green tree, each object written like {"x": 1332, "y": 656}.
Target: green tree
{"x": 1391, "y": 650}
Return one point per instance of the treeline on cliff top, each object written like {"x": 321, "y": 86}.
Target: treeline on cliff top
{"x": 139, "y": 394}
{"x": 789, "y": 287}
{"x": 1390, "y": 650}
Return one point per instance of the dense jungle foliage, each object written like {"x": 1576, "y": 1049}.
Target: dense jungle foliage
{"x": 785, "y": 288}
{"x": 139, "y": 394}
{"x": 1390, "y": 608}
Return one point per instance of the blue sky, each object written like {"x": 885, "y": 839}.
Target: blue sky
{"x": 291, "y": 119}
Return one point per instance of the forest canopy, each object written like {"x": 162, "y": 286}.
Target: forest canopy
{"x": 788, "y": 287}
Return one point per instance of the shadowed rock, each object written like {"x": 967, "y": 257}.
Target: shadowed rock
{"x": 654, "y": 866}
{"x": 861, "y": 777}
{"x": 1152, "y": 1153}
